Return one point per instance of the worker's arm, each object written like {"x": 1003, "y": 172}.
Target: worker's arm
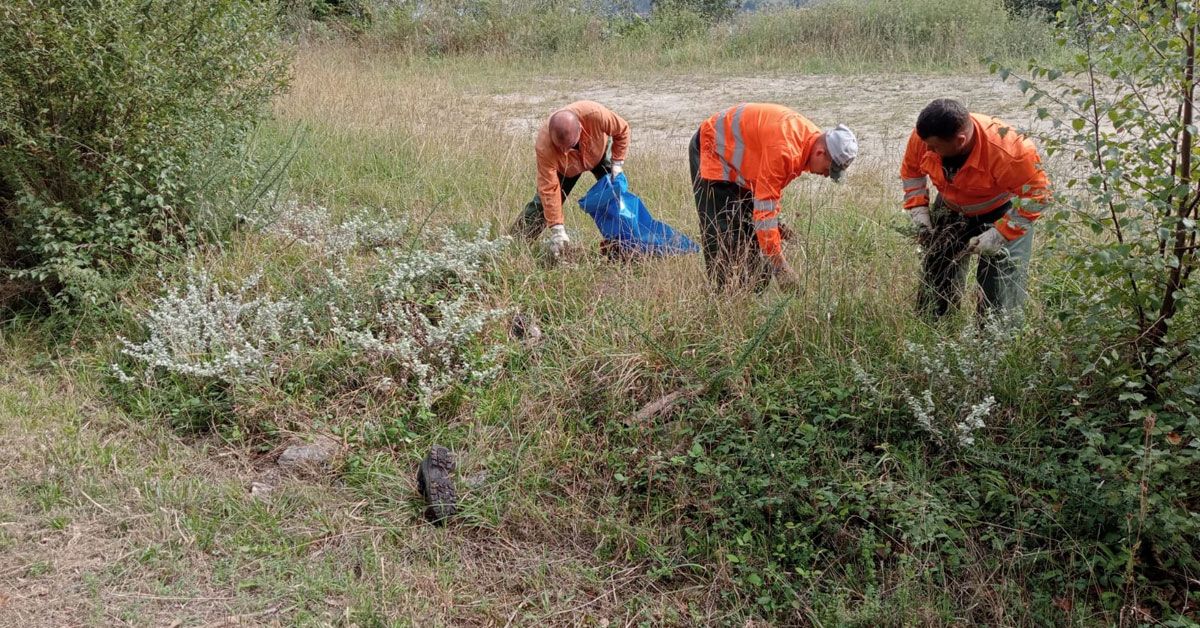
{"x": 768, "y": 192}
{"x": 550, "y": 191}
{"x": 1025, "y": 178}
{"x": 915, "y": 183}
{"x": 616, "y": 126}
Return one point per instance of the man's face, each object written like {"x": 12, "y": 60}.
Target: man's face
{"x": 819, "y": 161}
{"x": 951, "y": 147}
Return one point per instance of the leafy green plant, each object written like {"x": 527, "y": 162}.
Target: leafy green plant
{"x": 1128, "y": 221}
{"x": 121, "y": 125}
{"x": 1121, "y": 108}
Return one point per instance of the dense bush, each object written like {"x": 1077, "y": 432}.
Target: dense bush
{"x": 121, "y": 124}
{"x": 1045, "y": 8}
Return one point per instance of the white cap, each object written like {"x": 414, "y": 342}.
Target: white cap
{"x": 842, "y": 147}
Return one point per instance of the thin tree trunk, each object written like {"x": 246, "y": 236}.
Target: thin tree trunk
{"x": 1157, "y": 334}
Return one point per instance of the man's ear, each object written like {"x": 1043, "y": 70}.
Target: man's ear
{"x": 961, "y": 139}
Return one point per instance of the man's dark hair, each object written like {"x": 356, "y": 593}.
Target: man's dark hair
{"x": 942, "y": 118}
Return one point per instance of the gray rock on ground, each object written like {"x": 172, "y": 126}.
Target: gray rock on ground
{"x": 320, "y": 452}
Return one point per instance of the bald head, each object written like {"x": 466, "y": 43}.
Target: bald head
{"x": 565, "y": 129}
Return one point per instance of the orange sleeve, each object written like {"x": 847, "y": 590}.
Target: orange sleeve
{"x": 914, "y": 181}
{"x": 549, "y": 188}
{"x": 1025, "y": 178}
{"x": 768, "y": 192}
{"x": 616, "y": 126}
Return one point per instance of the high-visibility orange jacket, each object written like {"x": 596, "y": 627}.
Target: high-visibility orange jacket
{"x": 599, "y": 123}
{"x": 760, "y": 147}
{"x": 1002, "y": 166}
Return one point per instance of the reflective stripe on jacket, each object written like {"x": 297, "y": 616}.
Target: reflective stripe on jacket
{"x": 761, "y": 147}
{"x": 1003, "y": 165}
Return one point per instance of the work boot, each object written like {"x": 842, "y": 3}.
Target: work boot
{"x": 436, "y": 486}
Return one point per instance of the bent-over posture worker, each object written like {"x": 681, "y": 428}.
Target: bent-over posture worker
{"x": 583, "y": 136}
{"x": 990, "y": 190}
{"x": 741, "y": 159}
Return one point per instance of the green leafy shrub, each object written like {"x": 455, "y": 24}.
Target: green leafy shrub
{"x": 354, "y": 10}
{"x": 710, "y": 10}
{"x": 1126, "y": 228}
{"x": 121, "y": 123}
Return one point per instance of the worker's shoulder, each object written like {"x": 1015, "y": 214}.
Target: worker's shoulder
{"x": 542, "y": 145}
{"x": 587, "y": 108}
{"x": 768, "y": 110}
{"x": 1004, "y": 138}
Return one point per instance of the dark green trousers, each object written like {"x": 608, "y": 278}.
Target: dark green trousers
{"x": 732, "y": 257}
{"x": 1001, "y": 277}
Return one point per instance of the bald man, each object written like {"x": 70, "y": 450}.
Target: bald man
{"x": 583, "y": 136}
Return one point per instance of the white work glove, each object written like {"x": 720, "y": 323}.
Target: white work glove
{"x": 617, "y": 168}
{"x": 989, "y": 242}
{"x": 922, "y": 224}
{"x": 558, "y": 240}
{"x": 920, "y": 219}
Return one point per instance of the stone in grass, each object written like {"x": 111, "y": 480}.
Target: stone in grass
{"x": 261, "y": 491}
{"x": 315, "y": 454}
{"x": 435, "y": 485}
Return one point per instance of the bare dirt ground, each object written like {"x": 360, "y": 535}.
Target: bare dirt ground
{"x": 664, "y": 114}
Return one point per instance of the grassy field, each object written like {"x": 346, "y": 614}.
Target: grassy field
{"x": 778, "y": 491}
{"x": 110, "y": 521}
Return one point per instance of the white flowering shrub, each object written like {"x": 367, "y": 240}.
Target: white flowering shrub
{"x": 313, "y": 225}
{"x": 428, "y": 312}
{"x": 955, "y": 398}
{"x": 375, "y": 312}
{"x": 201, "y": 330}
{"x": 949, "y": 391}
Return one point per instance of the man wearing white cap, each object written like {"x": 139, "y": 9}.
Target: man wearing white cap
{"x": 741, "y": 159}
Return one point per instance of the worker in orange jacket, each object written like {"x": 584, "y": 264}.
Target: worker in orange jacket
{"x": 583, "y": 136}
{"x": 991, "y": 189}
{"x": 741, "y": 159}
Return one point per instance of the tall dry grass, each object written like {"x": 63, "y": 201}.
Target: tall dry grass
{"x": 828, "y": 35}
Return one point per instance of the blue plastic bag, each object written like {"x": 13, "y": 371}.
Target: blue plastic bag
{"x": 622, "y": 217}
